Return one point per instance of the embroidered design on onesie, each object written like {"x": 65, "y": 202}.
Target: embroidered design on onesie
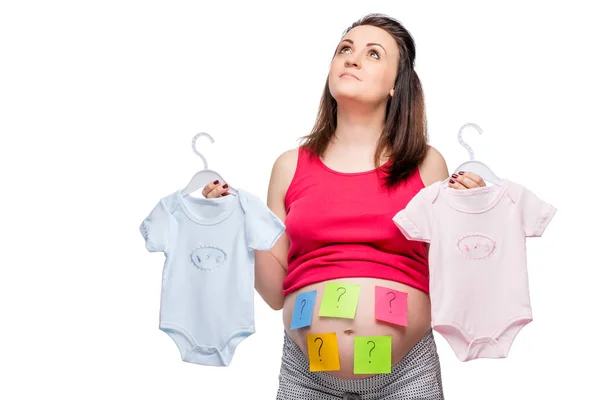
{"x": 476, "y": 246}
{"x": 207, "y": 257}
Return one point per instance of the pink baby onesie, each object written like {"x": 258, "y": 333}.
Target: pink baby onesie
{"x": 479, "y": 286}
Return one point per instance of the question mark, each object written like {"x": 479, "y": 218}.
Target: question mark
{"x": 321, "y": 345}
{"x": 341, "y": 287}
{"x": 370, "y": 341}
{"x": 302, "y": 310}
{"x": 391, "y": 300}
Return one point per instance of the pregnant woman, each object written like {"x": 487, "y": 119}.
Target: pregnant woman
{"x": 365, "y": 159}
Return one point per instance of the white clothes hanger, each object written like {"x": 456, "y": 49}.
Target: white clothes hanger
{"x": 204, "y": 176}
{"x": 472, "y": 165}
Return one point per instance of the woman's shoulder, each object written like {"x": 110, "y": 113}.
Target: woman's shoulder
{"x": 285, "y": 164}
{"x": 283, "y": 171}
{"x": 434, "y": 167}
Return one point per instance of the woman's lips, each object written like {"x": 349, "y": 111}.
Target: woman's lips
{"x": 348, "y": 75}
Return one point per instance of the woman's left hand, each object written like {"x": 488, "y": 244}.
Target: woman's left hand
{"x": 465, "y": 180}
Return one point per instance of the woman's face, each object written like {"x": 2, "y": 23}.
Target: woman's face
{"x": 374, "y": 65}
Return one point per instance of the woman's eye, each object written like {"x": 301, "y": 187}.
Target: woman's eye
{"x": 346, "y": 47}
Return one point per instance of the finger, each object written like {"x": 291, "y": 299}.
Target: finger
{"x": 465, "y": 181}
{"x": 472, "y": 176}
{"x": 209, "y": 188}
{"x": 219, "y": 190}
{"x": 216, "y": 192}
{"x": 455, "y": 184}
{"x": 224, "y": 190}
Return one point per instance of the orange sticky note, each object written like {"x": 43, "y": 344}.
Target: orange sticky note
{"x": 323, "y": 352}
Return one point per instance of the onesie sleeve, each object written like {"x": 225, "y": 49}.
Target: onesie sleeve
{"x": 416, "y": 219}
{"x": 155, "y": 228}
{"x": 263, "y": 227}
{"x": 536, "y": 214}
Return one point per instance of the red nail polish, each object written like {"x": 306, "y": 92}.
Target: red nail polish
{"x": 460, "y": 172}
{"x": 454, "y": 176}
{"x": 215, "y": 182}
{"x": 225, "y": 186}
{"x": 451, "y": 181}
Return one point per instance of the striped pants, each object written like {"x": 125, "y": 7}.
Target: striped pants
{"x": 416, "y": 376}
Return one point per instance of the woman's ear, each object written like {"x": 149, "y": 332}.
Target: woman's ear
{"x": 392, "y": 92}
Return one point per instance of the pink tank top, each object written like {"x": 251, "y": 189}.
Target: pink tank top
{"x": 340, "y": 225}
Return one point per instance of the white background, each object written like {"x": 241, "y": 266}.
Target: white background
{"x": 100, "y": 100}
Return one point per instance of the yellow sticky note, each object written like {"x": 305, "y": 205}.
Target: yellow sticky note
{"x": 323, "y": 352}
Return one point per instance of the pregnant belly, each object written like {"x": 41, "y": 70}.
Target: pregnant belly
{"x": 364, "y": 323}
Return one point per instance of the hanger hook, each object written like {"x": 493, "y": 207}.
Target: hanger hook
{"x": 463, "y": 143}
{"x": 196, "y": 136}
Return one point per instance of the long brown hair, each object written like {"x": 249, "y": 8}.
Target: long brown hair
{"x": 404, "y": 135}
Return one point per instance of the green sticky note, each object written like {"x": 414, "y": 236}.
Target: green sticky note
{"x": 372, "y": 354}
{"x": 339, "y": 300}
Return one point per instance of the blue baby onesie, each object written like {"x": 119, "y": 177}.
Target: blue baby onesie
{"x": 207, "y": 297}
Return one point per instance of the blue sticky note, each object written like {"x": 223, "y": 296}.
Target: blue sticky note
{"x": 303, "y": 309}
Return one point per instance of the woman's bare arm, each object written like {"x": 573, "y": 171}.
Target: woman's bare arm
{"x": 433, "y": 169}
{"x": 271, "y": 266}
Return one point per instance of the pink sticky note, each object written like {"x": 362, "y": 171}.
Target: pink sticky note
{"x": 391, "y": 306}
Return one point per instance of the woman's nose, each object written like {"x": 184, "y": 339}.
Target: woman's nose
{"x": 351, "y": 61}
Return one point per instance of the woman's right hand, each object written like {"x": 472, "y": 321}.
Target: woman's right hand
{"x": 215, "y": 189}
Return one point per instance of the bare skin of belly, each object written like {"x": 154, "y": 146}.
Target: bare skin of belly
{"x": 364, "y": 324}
